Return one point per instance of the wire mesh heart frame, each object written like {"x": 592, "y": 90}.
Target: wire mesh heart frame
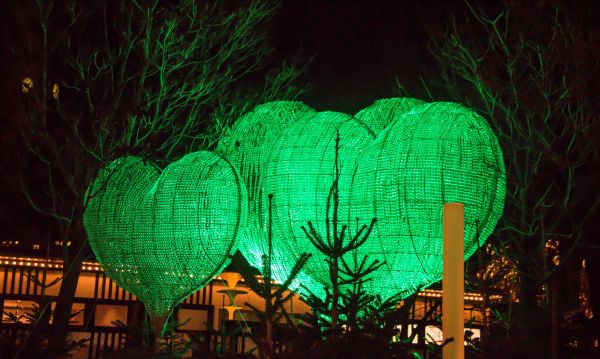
{"x": 300, "y": 174}
{"x": 248, "y": 146}
{"x": 434, "y": 154}
{"x": 163, "y": 235}
{"x": 383, "y": 112}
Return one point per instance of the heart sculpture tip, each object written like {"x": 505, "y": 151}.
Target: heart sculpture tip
{"x": 164, "y": 235}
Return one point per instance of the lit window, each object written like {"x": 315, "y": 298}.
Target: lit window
{"x": 55, "y": 91}
{"x": 26, "y": 85}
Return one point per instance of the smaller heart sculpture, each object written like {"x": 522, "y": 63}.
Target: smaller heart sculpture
{"x": 164, "y": 235}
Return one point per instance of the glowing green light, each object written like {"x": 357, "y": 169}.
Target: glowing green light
{"x": 299, "y": 174}
{"x": 248, "y": 145}
{"x": 385, "y": 111}
{"x": 433, "y": 154}
{"x": 164, "y": 235}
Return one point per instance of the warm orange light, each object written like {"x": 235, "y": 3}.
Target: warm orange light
{"x": 55, "y": 91}
{"x": 26, "y": 85}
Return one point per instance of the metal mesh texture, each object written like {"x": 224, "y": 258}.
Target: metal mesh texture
{"x": 299, "y": 174}
{"x": 164, "y": 235}
{"x": 431, "y": 155}
{"x": 383, "y": 112}
{"x": 248, "y": 145}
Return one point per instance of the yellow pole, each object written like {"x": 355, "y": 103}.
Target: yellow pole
{"x": 453, "y": 280}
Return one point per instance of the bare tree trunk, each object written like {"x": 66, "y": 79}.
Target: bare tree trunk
{"x": 554, "y": 313}
{"x": 157, "y": 323}
{"x": 269, "y": 338}
{"x": 528, "y": 289}
{"x": 335, "y": 293}
{"x": 531, "y": 321}
{"x": 485, "y": 329}
{"x": 40, "y": 327}
{"x": 64, "y": 301}
{"x": 136, "y": 315}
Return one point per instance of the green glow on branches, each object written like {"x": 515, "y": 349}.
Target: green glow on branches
{"x": 299, "y": 174}
{"x": 436, "y": 153}
{"x": 248, "y": 145}
{"x": 164, "y": 235}
{"x": 385, "y": 111}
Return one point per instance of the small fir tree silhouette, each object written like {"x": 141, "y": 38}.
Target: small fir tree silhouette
{"x": 345, "y": 298}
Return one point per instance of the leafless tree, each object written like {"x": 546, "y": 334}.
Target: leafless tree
{"x": 91, "y": 81}
{"x": 531, "y": 69}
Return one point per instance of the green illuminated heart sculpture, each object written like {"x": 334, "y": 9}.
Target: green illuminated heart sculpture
{"x": 433, "y": 154}
{"x": 165, "y": 234}
{"x": 247, "y": 146}
{"x": 300, "y": 174}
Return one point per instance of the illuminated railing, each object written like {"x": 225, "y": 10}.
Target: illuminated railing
{"x": 45, "y": 263}
{"x": 93, "y": 266}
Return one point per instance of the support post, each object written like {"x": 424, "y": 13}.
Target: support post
{"x": 157, "y": 322}
{"x": 453, "y": 280}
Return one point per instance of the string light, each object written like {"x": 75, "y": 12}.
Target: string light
{"x": 55, "y": 91}
{"x": 93, "y": 266}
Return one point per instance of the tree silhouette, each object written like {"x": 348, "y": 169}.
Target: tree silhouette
{"x": 90, "y": 82}
{"x": 531, "y": 70}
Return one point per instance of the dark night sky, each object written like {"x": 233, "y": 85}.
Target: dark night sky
{"x": 360, "y": 47}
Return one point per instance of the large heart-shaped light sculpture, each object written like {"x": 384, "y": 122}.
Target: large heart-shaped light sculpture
{"x": 247, "y": 146}
{"x": 434, "y": 154}
{"x": 164, "y": 235}
{"x": 300, "y": 174}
